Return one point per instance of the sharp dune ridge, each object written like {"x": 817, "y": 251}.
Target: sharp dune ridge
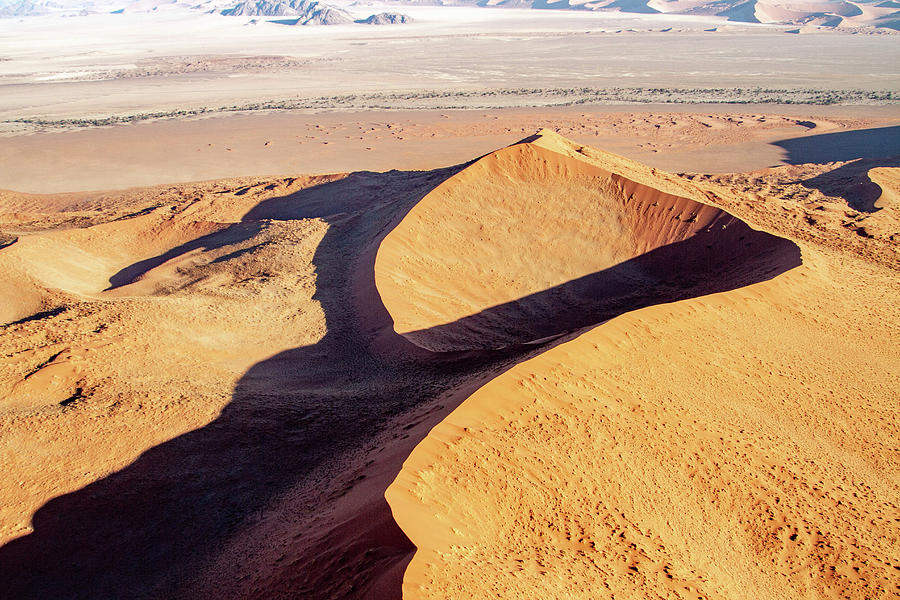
{"x": 548, "y": 371}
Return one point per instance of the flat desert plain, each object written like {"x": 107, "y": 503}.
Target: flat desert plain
{"x": 57, "y": 69}
{"x": 711, "y": 138}
{"x": 515, "y": 345}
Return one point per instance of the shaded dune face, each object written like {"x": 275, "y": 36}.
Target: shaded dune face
{"x": 528, "y": 244}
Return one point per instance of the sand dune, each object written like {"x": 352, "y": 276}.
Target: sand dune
{"x": 888, "y": 180}
{"x": 551, "y": 371}
{"x": 732, "y": 462}
{"x": 539, "y": 239}
{"x": 724, "y": 446}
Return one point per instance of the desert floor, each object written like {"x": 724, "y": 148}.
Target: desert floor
{"x": 670, "y": 371}
{"x": 711, "y": 138}
{"x": 91, "y": 68}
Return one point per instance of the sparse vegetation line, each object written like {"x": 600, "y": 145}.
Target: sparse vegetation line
{"x": 505, "y": 98}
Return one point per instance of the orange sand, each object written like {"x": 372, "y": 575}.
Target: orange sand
{"x": 734, "y": 445}
{"x": 562, "y": 387}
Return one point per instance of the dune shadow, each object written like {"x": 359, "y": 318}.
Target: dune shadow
{"x": 876, "y": 142}
{"x": 146, "y": 530}
{"x": 851, "y": 182}
{"x": 143, "y": 531}
{"x": 863, "y": 150}
{"x": 714, "y": 260}
{"x": 44, "y": 314}
{"x": 233, "y": 234}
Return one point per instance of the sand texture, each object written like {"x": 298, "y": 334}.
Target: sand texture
{"x": 550, "y": 371}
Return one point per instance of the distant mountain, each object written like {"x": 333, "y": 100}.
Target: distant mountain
{"x": 260, "y": 8}
{"x": 308, "y": 12}
{"x": 23, "y": 8}
{"x": 386, "y": 18}
{"x": 68, "y": 8}
{"x": 322, "y": 14}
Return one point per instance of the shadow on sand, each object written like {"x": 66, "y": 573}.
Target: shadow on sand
{"x": 148, "y": 529}
{"x": 865, "y": 149}
{"x": 851, "y": 182}
{"x": 877, "y": 142}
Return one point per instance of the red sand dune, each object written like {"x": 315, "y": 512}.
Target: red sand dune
{"x": 722, "y": 446}
{"x": 535, "y": 241}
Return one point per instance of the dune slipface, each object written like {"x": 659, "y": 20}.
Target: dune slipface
{"x": 538, "y": 240}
